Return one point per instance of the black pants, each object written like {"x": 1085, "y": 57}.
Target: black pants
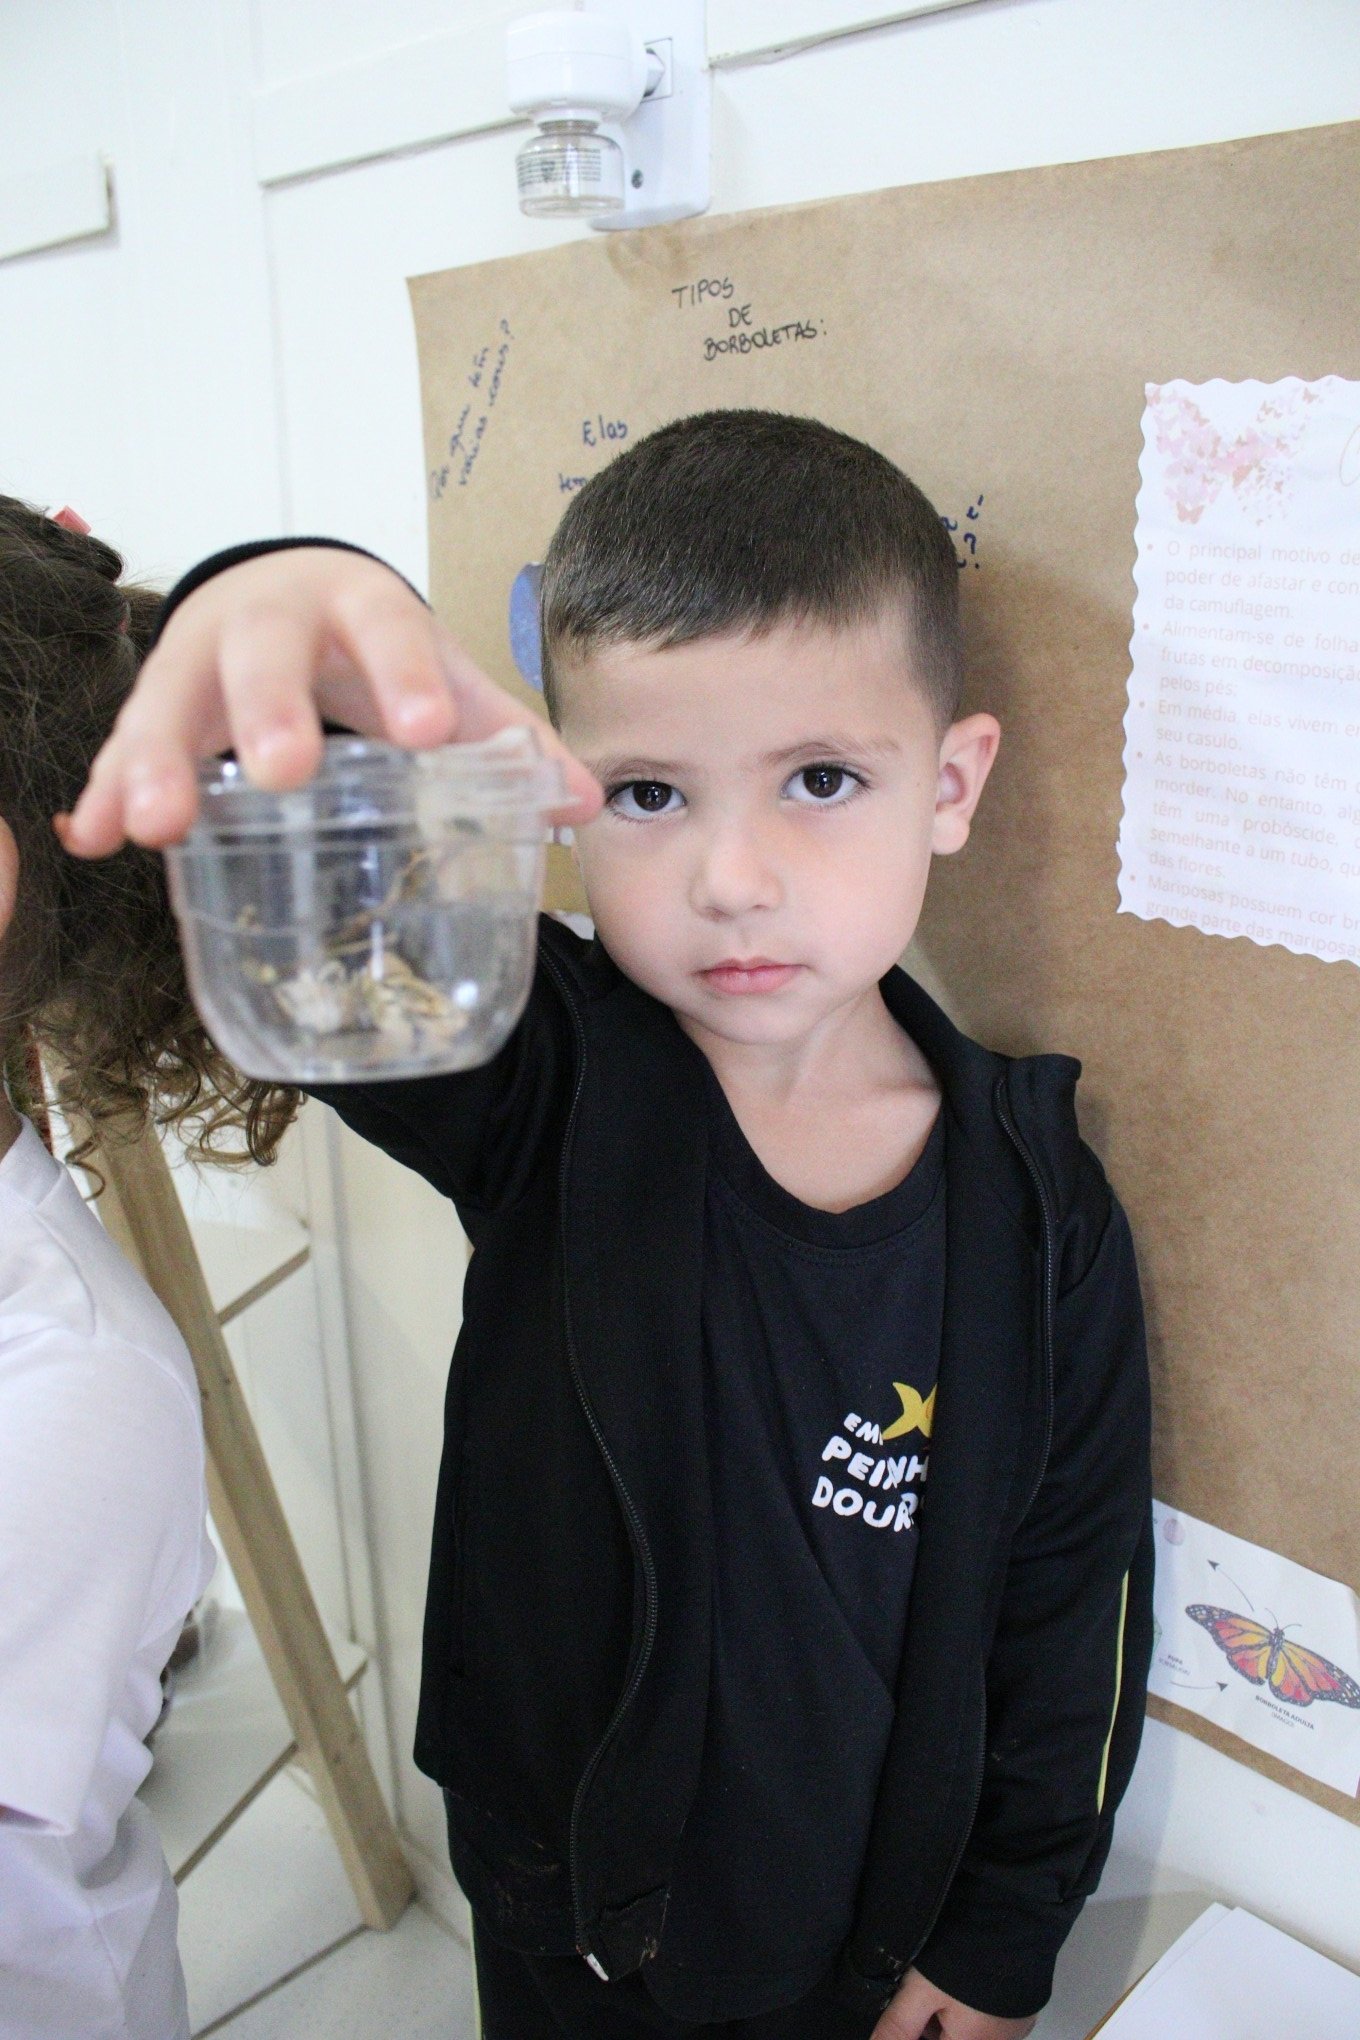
{"x": 547, "y": 1997}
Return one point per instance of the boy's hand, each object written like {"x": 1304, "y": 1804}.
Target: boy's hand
{"x": 254, "y": 659}
{"x": 921, "y": 2012}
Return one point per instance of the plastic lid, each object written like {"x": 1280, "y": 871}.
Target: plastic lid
{"x": 362, "y": 782}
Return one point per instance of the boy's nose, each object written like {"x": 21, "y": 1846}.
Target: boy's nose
{"x": 734, "y": 875}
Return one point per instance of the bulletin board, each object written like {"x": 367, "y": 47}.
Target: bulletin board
{"x": 994, "y": 336}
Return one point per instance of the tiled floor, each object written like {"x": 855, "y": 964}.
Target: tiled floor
{"x": 415, "y": 1981}
{"x": 274, "y": 1949}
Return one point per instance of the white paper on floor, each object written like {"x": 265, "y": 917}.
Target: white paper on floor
{"x": 1232, "y": 1977}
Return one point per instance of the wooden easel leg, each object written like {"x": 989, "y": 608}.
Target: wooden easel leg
{"x": 142, "y": 1210}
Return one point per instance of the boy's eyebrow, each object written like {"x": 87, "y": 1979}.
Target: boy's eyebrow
{"x": 833, "y": 745}
{"x": 628, "y": 766}
{"x": 611, "y": 770}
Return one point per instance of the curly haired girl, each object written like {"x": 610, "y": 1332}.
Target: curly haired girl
{"x": 102, "y": 1542}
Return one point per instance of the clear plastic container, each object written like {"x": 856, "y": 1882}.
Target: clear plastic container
{"x": 569, "y": 167}
{"x": 377, "y": 922}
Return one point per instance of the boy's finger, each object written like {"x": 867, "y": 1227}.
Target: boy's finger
{"x": 195, "y": 697}
{"x": 484, "y": 708}
{"x": 584, "y": 796}
{"x": 156, "y": 808}
{"x": 266, "y": 662}
{"x": 911, "y": 2015}
{"x": 94, "y": 827}
{"x": 152, "y": 803}
{"x": 142, "y": 783}
{"x": 431, "y": 691}
{"x": 394, "y": 645}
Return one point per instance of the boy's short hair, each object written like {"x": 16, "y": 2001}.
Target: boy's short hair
{"x": 738, "y": 520}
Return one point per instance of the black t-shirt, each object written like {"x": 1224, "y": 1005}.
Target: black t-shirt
{"x": 821, "y": 1342}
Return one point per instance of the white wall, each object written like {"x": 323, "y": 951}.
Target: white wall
{"x": 235, "y": 360}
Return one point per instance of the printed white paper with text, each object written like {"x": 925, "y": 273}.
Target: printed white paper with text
{"x": 1242, "y": 737}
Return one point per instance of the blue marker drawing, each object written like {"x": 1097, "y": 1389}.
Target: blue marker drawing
{"x": 524, "y": 643}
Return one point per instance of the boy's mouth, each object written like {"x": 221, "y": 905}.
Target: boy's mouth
{"x": 749, "y": 974}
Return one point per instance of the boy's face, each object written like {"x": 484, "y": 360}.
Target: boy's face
{"x": 772, "y": 805}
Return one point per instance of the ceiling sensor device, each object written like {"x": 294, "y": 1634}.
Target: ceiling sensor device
{"x": 619, "y": 94}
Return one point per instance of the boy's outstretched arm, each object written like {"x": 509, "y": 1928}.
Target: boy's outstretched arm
{"x": 252, "y": 658}
{"x": 921, "y": 2012}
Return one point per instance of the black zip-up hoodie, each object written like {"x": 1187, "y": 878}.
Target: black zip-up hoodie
{"x": 567, "y": 1632}
{"x": 566, "y": 1652}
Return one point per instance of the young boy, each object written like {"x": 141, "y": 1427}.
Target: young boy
{"x": 742, "y": 1725}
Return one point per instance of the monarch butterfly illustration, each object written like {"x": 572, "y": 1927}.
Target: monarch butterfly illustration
{"x": 1267, "y": 1658}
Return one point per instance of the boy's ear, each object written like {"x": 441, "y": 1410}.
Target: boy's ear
{"x": 967, "y": 753}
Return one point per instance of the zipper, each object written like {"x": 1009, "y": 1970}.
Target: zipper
{"x": 979, "y": 1763}
{"x": 1050, "y": 1279}
{"x": 630, "y": 1512}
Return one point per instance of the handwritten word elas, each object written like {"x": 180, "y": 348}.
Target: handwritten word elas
{"x": 599, "y": 429}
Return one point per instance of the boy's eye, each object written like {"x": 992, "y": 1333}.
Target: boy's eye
{"x": 824, "y": 785}
{"x": 640, "y": 799}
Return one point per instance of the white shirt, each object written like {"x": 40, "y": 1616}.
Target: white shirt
{"x": 103, "y": 1551}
